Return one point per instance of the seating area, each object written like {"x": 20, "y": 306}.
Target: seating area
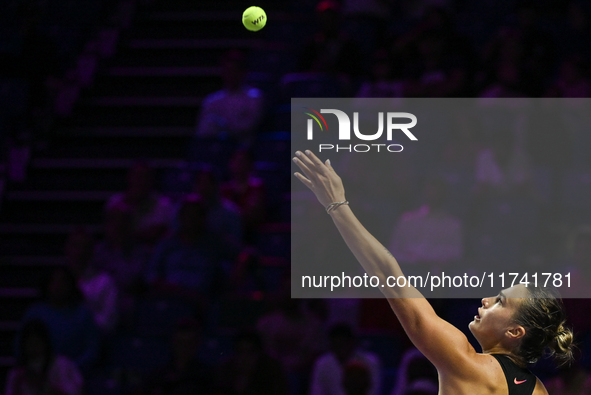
{"x": 130, "y": 86}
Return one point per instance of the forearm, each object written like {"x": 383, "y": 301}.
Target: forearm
{"x": 371, "y": 254}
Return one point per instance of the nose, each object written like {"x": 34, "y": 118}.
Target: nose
{"x": 485, "y": 302}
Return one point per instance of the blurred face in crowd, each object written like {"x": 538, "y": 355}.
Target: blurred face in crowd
{"x": 356, "y": 379}
{"x": 205, "y": 185}
{"x": 435, "y": 193}
{"x": 140, "y": 182}
{"x": 240, "y": 164}
{"x": 342, "y": 346}
{"x": 571, "y": 71}
{"x": 327, "y": 14}
{"x": 79, "y": 249}
{"x": 232, "y": 74}
{"x": 60, "y": 288}
{"x": 508, "y": 74}
{"x": 118, "y": 226}
{"x": 247, "y": 354}
{"x": 185, "y": 343}
{"x": 329, "y": 22}
{"x": 35, "y": 347}
{"x": 192, "y": 217}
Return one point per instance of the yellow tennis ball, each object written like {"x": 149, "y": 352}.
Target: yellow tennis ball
{"x": 254, "y": 18}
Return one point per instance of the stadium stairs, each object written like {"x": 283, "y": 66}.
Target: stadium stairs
{"x": 143, "y": 104}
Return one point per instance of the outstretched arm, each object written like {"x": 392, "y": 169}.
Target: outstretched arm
{"x": 439, "y": 341}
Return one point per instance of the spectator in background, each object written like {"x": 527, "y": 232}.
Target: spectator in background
{"x": 502, "y": 167}
{"x": 381, "y": 83}
{"x": 121, "y": 258}
{"x": 250, "y": 371}
{"x": 507, "y": 81}
{"x": 328, "y": 371}
{"x": 246, "y": 191}
{"x": 438, "y": 60}
{"x": 539, "y": 48}
{"x": 577, "y": 32}
{"x": 291, "y": 337}
{"x": 416, "y": 375}
{"x": 367, "y": 21}
{"x": 188, "y": 263}
{"x": 39, "y": 370}
{"x": 71, "y": 326}
{"x": 152, "y": 213}
{"x": 578, "y": 264}
{"x": 99, "y": 289}
{"x": 573, "y": 79}
{"x": 571, "y": 380}
{"x": 429, "y": 237}
{"x": 34, "y": 58}
{"x": 523, "y": 55}
{"x": 356, "y": 379}
{"x": 331, "y": 50}
{"x": 223, "y": 215}
{"x": 502, "y": 65}
{"x": 234, "y": 112}
{"x": 185, "y": 374}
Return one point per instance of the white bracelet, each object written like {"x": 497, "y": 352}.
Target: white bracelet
{"x": 335, "y": 205}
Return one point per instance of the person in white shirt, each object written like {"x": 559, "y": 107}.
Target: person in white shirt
{"x": 328, "y": 371}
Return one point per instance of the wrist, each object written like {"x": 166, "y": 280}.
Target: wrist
{"x": 335, "y": 205}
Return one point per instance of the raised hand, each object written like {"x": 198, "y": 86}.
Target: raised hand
{"x": 320, "y": 178}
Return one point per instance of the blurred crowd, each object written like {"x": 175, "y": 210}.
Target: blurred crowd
{"x": 134, "y": 307}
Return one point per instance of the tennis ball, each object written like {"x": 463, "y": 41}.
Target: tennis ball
{"x": 254, "y": 18}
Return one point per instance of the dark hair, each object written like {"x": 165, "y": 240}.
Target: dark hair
{"x": 341, "y": 330}
{"x": 192, "y": 201}
{"x": 188, "y": 324}
{"x": 235, "y": 57}
{"x": 35, "y": 328}
{"x": 250, "y": 337}
{"x": 543, "y": 317}
{"x": 75, "y": 295}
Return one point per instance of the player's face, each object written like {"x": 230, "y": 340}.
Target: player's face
{"x": 495, "y": 317}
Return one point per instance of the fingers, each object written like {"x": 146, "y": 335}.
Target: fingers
{"x": 317, "y": 162}
{"x": 303, "y": 167}
{"x": 303, "y": 179}
{"x": 312, "y": 162}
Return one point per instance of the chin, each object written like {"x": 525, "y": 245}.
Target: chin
{"x": 473, "y": 329}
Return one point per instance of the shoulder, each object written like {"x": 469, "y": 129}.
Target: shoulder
{"x": 253, "y": 93}
{"x": 368, "y": 357}
{"x": 255, "y": 182}
{"x": 414, "y": 215}
{"x": 484, "y": 366}
{"x": 477, "y": 371}
{"x": 325, "y": 361}
{"x": 63, "y": 363}
{"x": 229, "y": 206}
{"x": 214, "y": 97}
{"x": 115, "y": 200}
